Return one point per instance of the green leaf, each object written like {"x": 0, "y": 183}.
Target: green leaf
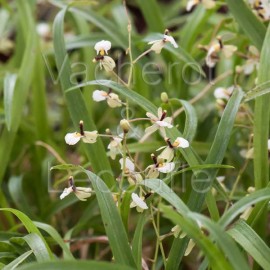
{"x": 152, "y": 15}
{"x": 9, "y": 85}
{"x": 29, "y": 225}
{"x": 261, "y": 121}
{"x": 98, "y": 20}
{"x": 57, "y": 238}
{"x": 36, "y": 243}
{"x": 241, "y": 205}
{"x": 216, "y": 258}
{"x": 78, "y": 265}
{"x": 22, "y": 84}
{"x": 113, "y": 224}
{"x": 258, "y": 91}
{"x": 191, "y": 121}
{"x": 137, "y": 239}
{"x": 65, "y": 167}
{"x": 15, "y": 263}
{"x": 246, "y": 237}
{"x": 75, "y": 102}
{"x": 228, "y": 246}
{"x": 247, "y": 20}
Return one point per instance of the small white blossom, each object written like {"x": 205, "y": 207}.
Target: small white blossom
{"x": 115, "y": 146}
{"x": 208, "y": 4}
{"x": 43, "y": 30}
{"x": 129, "y": 165}
{"x": 87, "y": 137}
{"x": 138, "y": 202}
{"x": 159, "y": 122}
{"x": 81, "y": 193}
{"x": 133, "y": 177}
{"x": 157, "y": 45}
{"x": 152, "y": 171}
{"x": 168, "y": 152}
{"x": 112, "y": 99}
{"x": 223, "y": 93}
{"x": 103, "y": 46}
{"x": 212, "y": 54}
{"x": 253, "y": 61}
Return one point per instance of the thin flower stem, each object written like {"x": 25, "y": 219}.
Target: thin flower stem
{"x": 158, "y": 243}
{"x": 204, "y": 91}
{"x": 139, "y": 119}
{"x": 119, "y": 79}
{"x": 141, "y": 55}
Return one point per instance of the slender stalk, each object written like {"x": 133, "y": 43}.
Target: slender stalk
{"x": 142, "y": 55}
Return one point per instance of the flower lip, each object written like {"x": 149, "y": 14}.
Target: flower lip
{"x": 103, "y": 46}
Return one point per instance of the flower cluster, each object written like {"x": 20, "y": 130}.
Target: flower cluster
{"x": 118, "y": 146}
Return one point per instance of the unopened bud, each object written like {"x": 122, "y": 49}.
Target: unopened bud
{"x": 251, "y": 189}
{"x": 164, "y": 97}
{"x": 125, "y": 125}
{"x": 238, "y": 69}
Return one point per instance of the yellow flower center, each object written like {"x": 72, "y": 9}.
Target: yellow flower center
{"x": 102, "y": 52}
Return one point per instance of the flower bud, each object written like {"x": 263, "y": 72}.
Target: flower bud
{"x": 164, "y": 97}
{"x": 125, "y": 125}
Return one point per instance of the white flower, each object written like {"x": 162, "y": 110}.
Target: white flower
{"x": 129, "y": 165}
{"x": 180, "y": 143}
{"x": 223, "y": 93}
{"x": 157, "y": 45}
{"x": 87, "y": 137}
{"x": 138, "y": 202}
{"x": 208, "y": 4}
{"x": 168, "y": 152}
{"x": 253, "y": 61}
{"x": 152, "y": 171}
{"x": 115, "y": 146}
{"x": 159, "y": 122}
{"x": 166, "y": 167}
{"x": 112, "y": 99}
{"x": 81, "y": 193}
{"x": 103, "y": 46}
{"x": 129, "y": 170}
{"x": 43, "y": 30}
{"x": 215, "y": 48}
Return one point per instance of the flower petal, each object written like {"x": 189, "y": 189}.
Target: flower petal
{"x": 66, "y": 192}
{"x": 128, "y": 164}
{"x": 99, "y": 95}
{"x": 151, "y": 129}
{"x": 181, "y": 143}
{"x": 73, "y": 138}
{"x": 138, "y": 201}
{"x": 90, "y": 136}
{"x": 83, "y": 193}
{"x": 167, "y": 167}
